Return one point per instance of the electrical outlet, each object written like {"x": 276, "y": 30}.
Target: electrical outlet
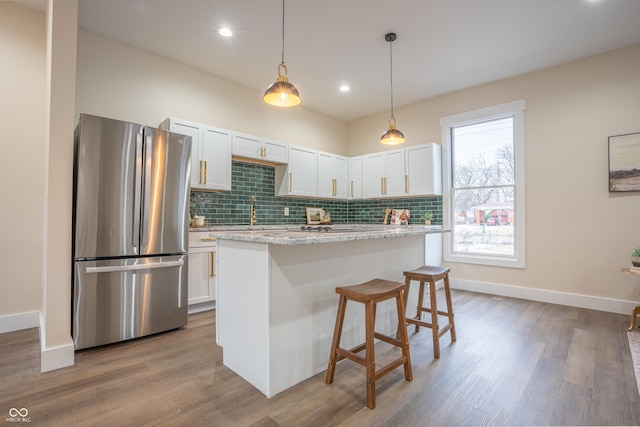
{"x": 286, "y": 211}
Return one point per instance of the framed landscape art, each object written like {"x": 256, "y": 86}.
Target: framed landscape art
{"x": 314, "y": 215}
{"x": 624, "y": 162}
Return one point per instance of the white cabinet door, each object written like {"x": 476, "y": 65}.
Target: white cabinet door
{"x": 332, "y": 175}
{"x": 210, "y": 153}
{"x": 383, "y": 174}
{"x": 341, "y": 176}
{"x": 424, "y": 170}
{"x": 394, "y": 184}
{"x": 203, "y": 269}
{"x": 373, "y": 175}
{"x": 300, "y": 176}
{"x": 201, "y": 273}
{"x": 355, "y": 177}
{"x": 247, "y": 146}
{"x": 325, "y": 175}
{"x": 216, "y": 156}
{"x": 275, "y": 151}
{"x": 194, "y": 130}
{"x": 254, "y": 147}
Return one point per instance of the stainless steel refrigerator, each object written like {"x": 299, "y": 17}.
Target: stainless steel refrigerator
{"x": 130, "y": 225}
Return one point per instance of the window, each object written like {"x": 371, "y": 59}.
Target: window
{"x": 483, "y": 199}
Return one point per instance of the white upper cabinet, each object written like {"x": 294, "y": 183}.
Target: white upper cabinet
{"x": 253, "y": 147}
{"x": 423, "y": 168}
{"x": 355, "y": 178}
{"x": 275, "y": 151}
{"x": 383, "y": 174}
{"x": 300, "y": 176}
{"x": 394, "y": 182}
{"x": 332, "y": 175}
{"x": 210, "y": 153}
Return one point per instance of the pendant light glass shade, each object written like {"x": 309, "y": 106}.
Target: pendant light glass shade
{"x": 281, "y": 93}
{"x": 392, "y": 136}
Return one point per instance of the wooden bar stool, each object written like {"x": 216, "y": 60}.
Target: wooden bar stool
{"x": 371, "y": 293}
{"x": 430, "y": 275}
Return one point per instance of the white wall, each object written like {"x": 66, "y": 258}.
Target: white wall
{"x": 578, "y": 234}
{"x": 22, "y": 109}
{"x": 122, "y": 82}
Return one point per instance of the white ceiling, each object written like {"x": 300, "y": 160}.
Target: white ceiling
{"x": 442, "y": 45}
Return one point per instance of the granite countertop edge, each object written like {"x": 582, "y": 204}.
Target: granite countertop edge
{"x": 292, "y": 235}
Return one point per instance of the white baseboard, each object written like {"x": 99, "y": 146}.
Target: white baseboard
{"x": 542, "y": 295}
{"x": 57, "y": 357}
{"x": 204, "y": 306}
{"x": 19, "y": 321}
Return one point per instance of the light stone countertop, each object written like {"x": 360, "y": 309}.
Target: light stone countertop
{"x": 292, "y": 235}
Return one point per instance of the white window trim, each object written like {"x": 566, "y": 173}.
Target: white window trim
{"x": 515, "y": 108}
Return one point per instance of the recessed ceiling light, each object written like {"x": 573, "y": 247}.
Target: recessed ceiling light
{"x": 345, "y": 88}
{"x": 226, "y": 32}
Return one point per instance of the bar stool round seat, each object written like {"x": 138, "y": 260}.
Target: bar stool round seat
{"x": 429, "y": 275}
{"x": 369, "y": 294}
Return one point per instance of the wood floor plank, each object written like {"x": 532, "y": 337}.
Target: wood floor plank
{"x": 516, "y": 362}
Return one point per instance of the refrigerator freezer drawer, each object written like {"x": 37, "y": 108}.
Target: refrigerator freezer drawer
{"x": 116, "y": 300}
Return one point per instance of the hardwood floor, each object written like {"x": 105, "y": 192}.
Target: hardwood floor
{"x": 516, "y": 362}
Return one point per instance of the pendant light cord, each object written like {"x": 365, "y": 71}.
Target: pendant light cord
{"x": 391, "y": 72}
{"x": 283, "y": 32}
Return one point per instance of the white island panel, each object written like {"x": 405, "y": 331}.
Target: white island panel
{"x": 243, "y": 310}
{"x": 277, "y": 313}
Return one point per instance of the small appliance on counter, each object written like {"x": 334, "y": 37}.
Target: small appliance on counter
{"x": 130, "y": 231}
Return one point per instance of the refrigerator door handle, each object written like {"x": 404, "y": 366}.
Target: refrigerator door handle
{"x": 148, "y": 166}
{"x": 134, "y": 267}
{"x": 135, "y": 235}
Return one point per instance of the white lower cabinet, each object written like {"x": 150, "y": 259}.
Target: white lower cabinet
{"x": 203, "y": 268}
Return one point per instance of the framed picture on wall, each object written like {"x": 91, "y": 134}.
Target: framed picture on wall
{"x": 624, "y": 162}
{"x": 314, "y": 215}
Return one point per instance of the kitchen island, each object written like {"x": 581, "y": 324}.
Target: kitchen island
{"x": 276, "y": 297}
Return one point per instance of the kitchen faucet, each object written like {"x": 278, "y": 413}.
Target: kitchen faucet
{"x": 252, "y": 211}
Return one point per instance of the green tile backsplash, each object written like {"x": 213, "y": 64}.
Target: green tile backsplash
{"x": 249, "y": 179}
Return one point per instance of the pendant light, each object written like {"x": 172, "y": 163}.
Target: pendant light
{"x": 281, "y": 93}
{"x": 392, "y": 136}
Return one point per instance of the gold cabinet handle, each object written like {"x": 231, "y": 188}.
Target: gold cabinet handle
{"x": 208, "y": 239}
{"x": 381, "y": 185}
{"x": 406, "y": 183}
{"x": 333, "y": 187}
{"x": 205, "y": 173}
{"x": 290, "y": 182}
{"x": 200, "y": 175}
{"x": 213, "y": 263}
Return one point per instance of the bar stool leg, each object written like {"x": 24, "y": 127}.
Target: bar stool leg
{"x": 447, "y": 292}
{"x": 337, "y": 333}
{"x": 420, "y": 305}
{"x": 434, "y": 319}
{"x": 370, "y": 321}
{"x": 404, "y": 336}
